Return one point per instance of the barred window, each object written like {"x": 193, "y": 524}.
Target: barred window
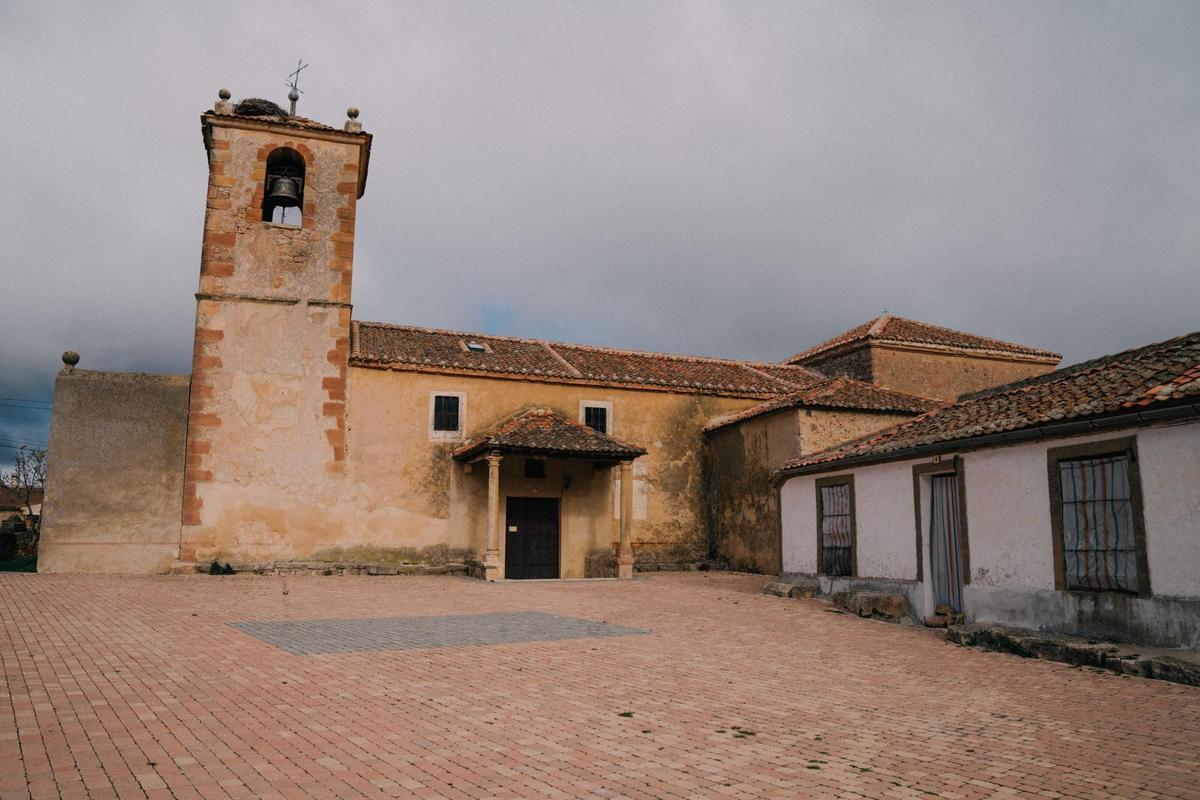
{"x": 1099, "y": 540}
{"x": 836, "y": 515}
{"x": 445, "y": 412}
{"x": 596, "y": 418}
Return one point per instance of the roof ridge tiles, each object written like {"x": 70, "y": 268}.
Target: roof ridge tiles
{"x": 877, "y": 330}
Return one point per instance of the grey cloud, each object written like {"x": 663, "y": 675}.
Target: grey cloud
{"x": 714, "y": 178}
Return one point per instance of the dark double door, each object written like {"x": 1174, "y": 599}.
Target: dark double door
{"x": 531, "y": 538}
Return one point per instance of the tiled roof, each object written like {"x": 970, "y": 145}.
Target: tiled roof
{"x": 544, "y": 432}
{"x": 889, "y": 328}
{"x": 11, "y": 500}
{"x": 374, "y": 344}
{"x": 843, "y": 393}
{"x": 1155, "y": 375}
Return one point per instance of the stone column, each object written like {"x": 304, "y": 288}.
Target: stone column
{"x": 493, "y": 567}
{"x": 625, "y": 553}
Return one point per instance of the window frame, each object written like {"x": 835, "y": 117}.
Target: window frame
{"x": 607, "y": 405}
{"x": 1126, "y": 446}
{"x": 444, "y": 436}
{"x": 836, "y": 480}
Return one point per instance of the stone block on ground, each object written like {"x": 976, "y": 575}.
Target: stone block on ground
{"x": 876, "y": 605}
{"x": 1077, "y": 651}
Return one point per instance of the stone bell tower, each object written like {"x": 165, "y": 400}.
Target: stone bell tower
{"x": 266, "y": 439}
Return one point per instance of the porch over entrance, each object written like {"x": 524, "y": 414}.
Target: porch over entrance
{"x": 533, "y": 542}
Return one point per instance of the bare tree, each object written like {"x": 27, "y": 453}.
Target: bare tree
{"x": 27, "y": 480}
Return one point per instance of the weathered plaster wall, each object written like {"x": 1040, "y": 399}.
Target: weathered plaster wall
{"x": 1009, "y": 507}
{"x": 1011, "y": 540}
{"x": 945, "y": 376}
{"x": 265, "y": 466}
{"x": 1170, "y": 469}
{"x": 854, "y": 364}
{"x": 742, "y": 457}
{"x": 407, "y": 491}
{"x": 745, "y": 511}
{"x": 115, "y": 472}
{"x": 821, "y": 429}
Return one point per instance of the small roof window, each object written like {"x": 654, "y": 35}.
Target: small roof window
{"x": 476, "y": 347}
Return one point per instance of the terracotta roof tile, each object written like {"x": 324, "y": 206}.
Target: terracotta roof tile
{"x": 843, "y": 393}
{"x": 375, "y": 344}
{"x": 890, "y": 328}
{"x": 544, "y": 432}
{"x": 1156, "y": 374}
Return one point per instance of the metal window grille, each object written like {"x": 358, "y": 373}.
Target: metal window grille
{"x": 445, "y": 413}
{"x": 1099, "y": 541}
{"x": 835, "y": 529}
{"x": 596, "y": 418}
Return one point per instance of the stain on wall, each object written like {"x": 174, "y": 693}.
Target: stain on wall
{"x": 115, "y": 472}
{"x": 744, "y": 506}
{"x": 395, "y": 467}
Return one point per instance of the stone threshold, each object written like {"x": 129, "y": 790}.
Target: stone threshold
{"x": 1176, "y": 666}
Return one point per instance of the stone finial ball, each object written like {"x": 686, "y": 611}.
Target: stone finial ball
{"x": 352, "y": 112}
{"x": 224, "y": 94}
{"x": 70, "y": 358}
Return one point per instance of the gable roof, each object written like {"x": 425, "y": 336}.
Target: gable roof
{"x": 541, "y": 431}
{"x": 890, "y": 329}
{"x": 375, "y": 344}
{"x": 1161, "y": 379}
{"x": 839, "y": 393}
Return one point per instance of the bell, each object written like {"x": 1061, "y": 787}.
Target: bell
{"x": 285, "y": 193}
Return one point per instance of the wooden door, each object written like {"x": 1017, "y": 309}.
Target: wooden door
{"x": 531, "y": 540}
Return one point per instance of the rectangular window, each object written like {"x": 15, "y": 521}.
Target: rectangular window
{"x": 596, "y": 414}
{"x": 596, "y": 418}
{"x": 447, "y": 415}
{"x": 1099, "y": 538}
{"x": 835, "y": 528}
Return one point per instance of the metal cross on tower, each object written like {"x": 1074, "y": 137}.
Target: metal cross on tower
{"x": 294, "y": 82}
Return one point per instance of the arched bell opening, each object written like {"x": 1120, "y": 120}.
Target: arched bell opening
{"x": 283, "y": 190}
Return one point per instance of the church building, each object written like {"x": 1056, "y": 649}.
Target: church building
{"x": 304, "y": 435}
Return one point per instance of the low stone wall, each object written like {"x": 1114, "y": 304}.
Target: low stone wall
{"x": 114, "y": 482}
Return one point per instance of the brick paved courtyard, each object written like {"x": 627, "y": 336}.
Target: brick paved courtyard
{"x": 141, "y": 687}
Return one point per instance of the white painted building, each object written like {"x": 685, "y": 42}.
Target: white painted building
{"x": 1069, "y": 503}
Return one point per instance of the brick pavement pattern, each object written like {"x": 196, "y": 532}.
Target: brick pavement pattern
{"x": 139, "y": 687}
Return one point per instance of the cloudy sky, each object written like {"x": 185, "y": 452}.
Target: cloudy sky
{"x": 739, "y": 179}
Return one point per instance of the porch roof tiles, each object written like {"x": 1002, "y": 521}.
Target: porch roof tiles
{"x": 540, "y": 431}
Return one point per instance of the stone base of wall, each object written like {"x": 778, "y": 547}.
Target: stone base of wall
{"x": 324, "y": 568}
{"x": 1155, "y": 621}
{"x": 824, "y": 585}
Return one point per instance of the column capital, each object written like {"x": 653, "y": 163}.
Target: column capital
{"x": 494, "y": 457}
